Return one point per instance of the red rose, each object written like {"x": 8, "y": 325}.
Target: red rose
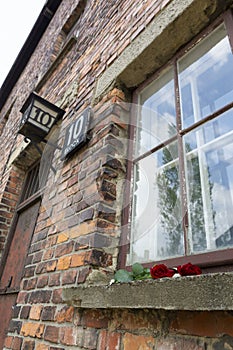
{"x": 161, "y": 270}
{"x": 189, "y": 270}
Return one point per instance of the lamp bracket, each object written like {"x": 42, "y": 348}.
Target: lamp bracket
{"x": 27, "y": 140}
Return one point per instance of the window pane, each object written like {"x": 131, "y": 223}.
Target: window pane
{"x": 156, "y": 119}
{"x": 156, "y": 228}
{"x": 205, "y": 85}
{"x": 209, "y": 164}
{"x": 205, "y": 77}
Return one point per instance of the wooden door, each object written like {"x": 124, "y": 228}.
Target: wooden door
{"x": 14, "y": 265}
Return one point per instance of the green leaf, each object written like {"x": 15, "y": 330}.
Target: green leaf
{"x": 147, "y": 270}
{"x": 146, "y": 276}
{"x": 137, "y": 269}
{"x": 123, "y": 276}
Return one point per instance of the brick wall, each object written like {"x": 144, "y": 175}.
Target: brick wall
{"x": 66, "y": 327}
{"x": 11, "y": 187}
{"x": 77, "y": 233}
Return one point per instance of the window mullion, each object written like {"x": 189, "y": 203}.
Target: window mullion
{"x": 228, "y": 20}
{"x": 184, "y": 206}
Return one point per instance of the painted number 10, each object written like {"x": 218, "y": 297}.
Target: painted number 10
{"x": 75, "y": 130}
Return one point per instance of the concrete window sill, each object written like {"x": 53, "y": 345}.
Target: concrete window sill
{"x": 204, "y": 292}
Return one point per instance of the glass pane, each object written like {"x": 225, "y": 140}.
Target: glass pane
{"x": 156, "y": 228}
{"x": 209, "y": 164}
{"x": 156, "y": 113}
{"x": 205, "y": 77}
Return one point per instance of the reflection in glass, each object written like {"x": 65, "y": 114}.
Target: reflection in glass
{"x": 156, "y": 116}
{"x": 210, "y": 184}
{"x": 156, "y": 228}
{"x": 204, "y": 80}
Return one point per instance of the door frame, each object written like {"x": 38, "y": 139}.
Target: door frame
{"x": 20, "y": 208}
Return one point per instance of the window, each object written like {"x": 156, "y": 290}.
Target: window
{"x": 182, "y": 200}
{"x": 31, "y": 185}
{"x": 70, "y": 29}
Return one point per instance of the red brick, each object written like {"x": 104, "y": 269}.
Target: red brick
{"x": 86, "y": 215}
{"x": 35, "y": 312}
{"x": 80, "y": 337}
{"x": 64, "y": 249}
{"x": 68, "y": 336}
{"x": 138, "y": 342}
{"x": 102, "y": 341}
{"x": 72, "y": 181}
{"x": 77, "y": 317}
{"x": 69, "y": 277}
{"x": 48, "y": 313}
{"x": 54, "y": 279}
{"x": 57, "y": 296}
{"x": 28, "y": 345}
{"x": 66, "y": 314}
{"x": 129, "y": 320}
{"x": 179, "y": 344}
{"x": 29, "y": 271}
{"x": 82, "y": 229}
{"x": 95, "y": 319}
{"x": 51, "y": 241}
{"x": 40, "y": 268}
{"x": 25, "y": 311}
{"x": 37, "y": 257}
{"x": 22, "y": 297}
{"x": 90, "y": 338}
{"x": 51, "y": 265}
{"x": 8, "y": 341}
{"x": 78, "y": 259}
{"x": 62, "y": 238}
{"x": 48, "y": 254}
{"x": 83, "y": 273}
{"x": 30, "y": 284}
{"x": 34, "y": 330}
{"x": 51, "y": 334}
{"x": 63, "y": 263}
{"x": 99, "y": 258}
{"x": 110, "y": 341}
{"x": 15, "y": 326}
{"x": 17, "y": 343}
{"x": 42, "y": 281}
{"x": 40, "y": 296}
{"x": 210, "y": 324}
{"x": 42, "y": 347}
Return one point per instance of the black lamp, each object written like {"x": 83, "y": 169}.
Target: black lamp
{"x": 39, "y": 116}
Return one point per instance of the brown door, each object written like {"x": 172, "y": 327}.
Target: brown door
{"x": 14, "y": 265}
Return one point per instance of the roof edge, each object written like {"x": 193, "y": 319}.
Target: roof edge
{"x": 28, "y": 48}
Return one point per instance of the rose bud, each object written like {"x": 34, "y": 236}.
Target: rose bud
{"x": 161, "y": 270}
{"x": 189, "y": 270}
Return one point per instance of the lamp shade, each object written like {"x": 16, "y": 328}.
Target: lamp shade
{"x": 39, "y": 116}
